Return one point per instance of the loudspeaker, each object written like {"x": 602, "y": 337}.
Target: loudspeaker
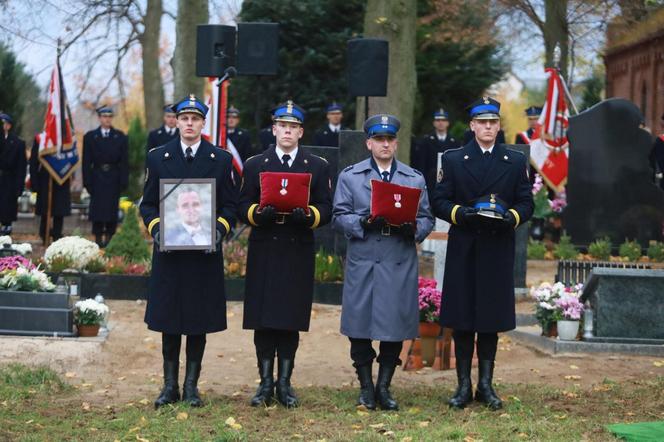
{"x": 368, "y": 60}
{"x": 257, "y": 48}
{"x": 215, "y": 49}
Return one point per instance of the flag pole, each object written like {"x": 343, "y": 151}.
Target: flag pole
{"x": 49, "y": 200}
{"x": 556, "y": 63}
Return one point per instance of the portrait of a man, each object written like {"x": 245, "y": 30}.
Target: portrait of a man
{"x": 187, "y": 217}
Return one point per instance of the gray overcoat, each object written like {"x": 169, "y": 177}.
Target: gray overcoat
{"x": 380, "y": 285}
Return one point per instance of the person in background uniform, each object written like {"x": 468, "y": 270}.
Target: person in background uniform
{"x": 240, "y": 137}
{"x": 60, "y": 195}
{"x": 167, "y": 132}
{"x": 266, "y": 138}
{"x": 433, "y": 144}
{"x": 328, "y": 135}
{"x": 12, "y": 174}
{"x": 380, "y": 287}
{"x": 658, "y": 154}
{"x": 186, "y": 293}
{"x": 479, "y": 281}
{"x": 280, "y": 261}
{"x": 533, "y": 113}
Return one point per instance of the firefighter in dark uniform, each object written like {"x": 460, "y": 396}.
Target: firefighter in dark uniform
{"x": 482, "y": 176}
{"x": 328, "y": 135}
{"x": 658, "y": 154}
{"x": 433, "y": 144}
{"x": 105, "y": 174}
{"x": 533, "y": 113}
{"x": 186, "y": 293}
{"x": 266, "y": 138}
{"x": 60, "y": 195}
{"x": 240, "y": 137}
{"x": 12, "y": 174}
{"x": 280, "y": 261}
{"x": 167, "y": 132}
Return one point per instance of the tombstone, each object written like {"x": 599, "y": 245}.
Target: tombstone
{"x": 609, "y": 187}
{"x": 352, "y": 147}
{"x": 628, "y": 305}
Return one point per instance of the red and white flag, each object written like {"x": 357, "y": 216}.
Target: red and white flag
{"x": 549, "y": 148}
{"x": 215, "y": 129}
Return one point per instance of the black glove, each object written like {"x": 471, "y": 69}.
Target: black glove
{"x": 266, "y": 215}
{"x": 509, "y": 221}
{"x": 407, "y": 230}
{"x": 376, "y": 223}
{"x": 467, "y": 216}
{"x": 299, "y": 217}
{"x": 155, "y": 237}
{"x": 220, "y": 237}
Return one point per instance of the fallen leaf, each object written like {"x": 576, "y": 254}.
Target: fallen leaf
{"x": 231, "y": 423}
{"x": 413, "y": 410}
{"x": 232, "y": 360}
{"x": 361, "y": 412}
{"x": 86, "y": 385}
{"x": 133, "y": 430}
{"x": 407, "y": 439}
{"x": 93, "y": 429}
{"x": 122, "y": 378}
{"x": 423, "y": 424}
{"x": 141, "y": 439}
{"x": 85, "y": 406}
{"x": 356, "y": 427}
{"x": 182, "y": 416}
{"x": 629, "y": 413}
{"x": 572, "y": 377}
{"x": 560, "y": 416}
{"x": 388, "y": 433}
{"x": 236, "y": 394}
{"x": 298, "y": 436}
{"x": 505, "y": 416}
{"x": 220, "y": 355}
{"x": 70, "y": 374}
{"x": 658, "y": 364}
{"x": 30, "y": 421}
{"x": 144, "y": 401}
{"x": 573, "y": 367}
{"x": 377, "y": 426}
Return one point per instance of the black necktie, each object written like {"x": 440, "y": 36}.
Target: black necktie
{"x": 486, "y": 160}
{"x": 189, "y": 154}
{"x": 386, "y": 176}
{"x": 285, "y": 159}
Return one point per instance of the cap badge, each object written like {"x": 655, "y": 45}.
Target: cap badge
{"x": 289, "y": 107}
{"x": 397, "y": 200}
{"x": 384, "y": 119}
{"x": 492, "y": 198}
{"x": 486, "y": 100}
{"x": 284, "y": 184}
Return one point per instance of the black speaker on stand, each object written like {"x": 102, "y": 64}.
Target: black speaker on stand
{"x": 215, "y": 49}
{"x": 368, "y": 62}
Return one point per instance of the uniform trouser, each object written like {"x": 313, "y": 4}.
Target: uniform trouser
{"x": 362, "y": 353}
{"x": 464, "y": 343}
{"x": 101, "y": 228}
{"x": 170, "y": 348}
{"x": 56, "y": 227}
{"x": 269, "y": 341}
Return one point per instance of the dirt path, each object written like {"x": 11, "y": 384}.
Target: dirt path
{"x": 128, "y": 365}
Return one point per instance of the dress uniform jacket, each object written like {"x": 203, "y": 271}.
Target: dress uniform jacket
{"x": 380, "y": 283}
{"x": 325, "y": 137}
{"x": 160, "y": 136}
{"x": 478, "y": 289}
{"x": 39, "y": 177}
{"x": 242, "y": 142}
{"x": 266, "y": 138}
{"x": 430, "y": 146}
{"x": 105, "y": 172}
{"x": 280, "y": 262}
{"x": 186, "y": 289}
{"x": 519, "y": 139}
{"x": 658, "y": 154}
{"x": 12, "y": 175}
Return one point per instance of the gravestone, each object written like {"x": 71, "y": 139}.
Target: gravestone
{"x": 609, "y": 188}
{"x": 352, "y": 147}
{"x": 628, "y": 304}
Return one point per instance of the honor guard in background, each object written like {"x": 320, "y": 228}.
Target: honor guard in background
{"x": 266, "y": 138}
{"x": 240, "y": 137}
{"x": 60, "y": 195}
{"x": 105, "y": 174}
{"x": 433, "y": 144}
{"x": 186, "y": 293}
{"x": 380, "y": 286}
{"x": 12, "y": 174}
{"x": 280, "y": 261}
{"x": 167, "y": 132}
{"x": 658, "y": 153}
{"x": 533, "y": 113}
{"x": 328, "y": 135}
{"x": 479, "y": 179}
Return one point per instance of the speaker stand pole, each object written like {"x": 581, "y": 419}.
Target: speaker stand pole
{"x": 366, "y": 108}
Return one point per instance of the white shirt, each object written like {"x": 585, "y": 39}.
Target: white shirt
{"x": 490, "y": 150}
{"x": 442, "y": 137}
{"x": 281, "y": 153}
{"x": 105, "y": 132}
{"x": 194, "y": 147}
{"x": 170, "y": 130}
{"x": 197, "y": 235}
{"x": 388, "y": 170}
{"x": 334, "y": 128}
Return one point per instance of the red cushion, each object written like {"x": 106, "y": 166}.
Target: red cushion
{"x": 285, "y": 191}
{"x": 397, "y": 204}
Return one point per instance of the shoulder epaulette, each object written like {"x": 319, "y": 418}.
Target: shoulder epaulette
{"x": 452, "y": 150}
{"x": 252, "y": 157}
{"x": 348, "y": 168}
{"x": 515, "y": 151}
{"x": 155, "y": 148}
{"x": 319, "y": 157}
{"x": 416, "y": 171}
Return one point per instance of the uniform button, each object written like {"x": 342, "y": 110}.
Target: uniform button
{"x": 274, "y": 238}
{"x": 378, "y": 261}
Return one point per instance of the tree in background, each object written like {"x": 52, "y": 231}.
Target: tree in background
{"x": 592, "y": 89}
{"x": 190, "y": 14}
{"x": 128, "y": 242}
{"x": 137, "y": 142}
{"x": 312, "y": 59}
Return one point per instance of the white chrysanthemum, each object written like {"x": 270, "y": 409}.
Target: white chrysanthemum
{"x": 5, "y": 240}
{"x": 79, "y": 250}
{"x": 24, "y": 248}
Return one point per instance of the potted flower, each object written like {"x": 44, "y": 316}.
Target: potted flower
{"x": 429, "y": 299}
{"x": 570, "y": 309}
{"x": 88, "y": 316}
{"x": 545, "y": 296}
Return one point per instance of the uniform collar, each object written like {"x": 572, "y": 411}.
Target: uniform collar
{"x": 334, "y": 128}
{"x": 194, "y": 147}
{"x": 280, "y": 153}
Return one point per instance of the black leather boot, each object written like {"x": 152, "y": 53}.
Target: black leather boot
{"x": 171, "y": 391}
{"x": 190, "y": 386}
{"x": 485, "y": 392}
{"x": 265, "y": 390}
{"x": 464, "y": 392}
{"x": 285, "y": 394}
{"x": 367, "y": 391}
{"x": 383, "y": 395}
{"x": 99, "y": 239}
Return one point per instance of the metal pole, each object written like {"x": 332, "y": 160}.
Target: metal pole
{"x": 49, "y": 209}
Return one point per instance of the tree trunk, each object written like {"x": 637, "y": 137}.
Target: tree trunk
{"x": 191, "y": 13}
{"x": 394, "y": 21}
{"x": 556, "y": 31}
{"x": 153, "y": 86}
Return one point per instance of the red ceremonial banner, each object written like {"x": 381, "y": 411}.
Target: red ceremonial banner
{"x": 397, "y": 204}
{"x": 285, "y": 191}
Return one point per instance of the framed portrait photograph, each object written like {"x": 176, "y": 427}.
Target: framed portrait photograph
{"x": 187, "y": 210}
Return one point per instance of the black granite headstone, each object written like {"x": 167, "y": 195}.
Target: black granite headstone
{"x": 352, "y": 147}
{"x": 609, "y": 186}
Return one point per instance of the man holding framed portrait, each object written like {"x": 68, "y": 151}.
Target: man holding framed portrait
{"x": 280, "y": 261}
{"x": 189, "y": 205}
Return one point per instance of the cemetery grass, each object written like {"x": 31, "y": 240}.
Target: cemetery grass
{"x": 36, "y": 405}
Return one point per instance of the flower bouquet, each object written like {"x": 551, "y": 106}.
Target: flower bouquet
{"x": 429, "y": 299}
{"x": 19, "y": 274}
{"x": 71, "y": 251}
{"x": 88, "y": 316}
{"x": 22, "y": 248}
{"x": 547, "y": 308}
